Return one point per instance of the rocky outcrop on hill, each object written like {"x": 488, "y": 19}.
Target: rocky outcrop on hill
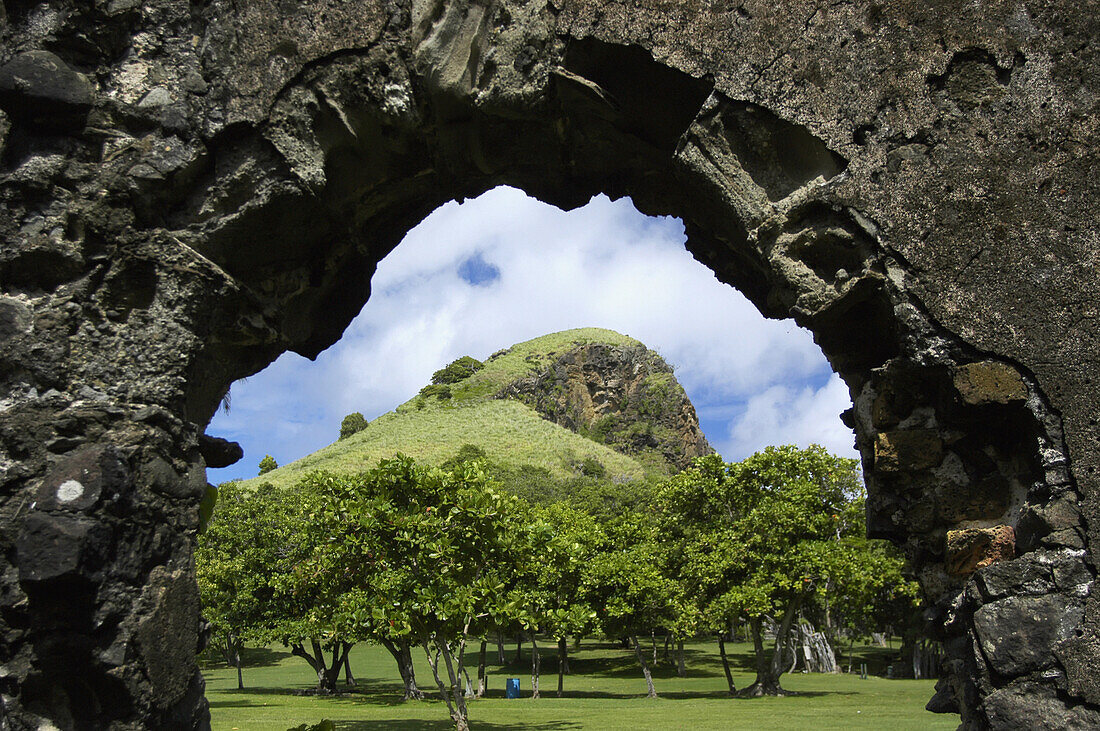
{"x": 623, "y": 396}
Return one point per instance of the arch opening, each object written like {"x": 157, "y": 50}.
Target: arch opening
{"x": 473, "y": 278}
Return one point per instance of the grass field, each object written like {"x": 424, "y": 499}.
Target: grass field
{"x": 605, "y": 691}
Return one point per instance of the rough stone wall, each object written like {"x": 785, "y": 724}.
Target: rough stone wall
{"x": 189, "y": 189}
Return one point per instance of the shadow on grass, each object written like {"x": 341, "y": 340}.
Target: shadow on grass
{"x": 260, "y": 656}
{"x": 375, "y": 693}
{"x": 251, "y": 657}
{"x": 230, "y": 704}
{"x": 444, "y": 725}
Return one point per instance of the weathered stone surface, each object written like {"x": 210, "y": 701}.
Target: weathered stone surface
{"x": 989, "y": 382}
{"x": 52, "y": 547}
{"x": 989, "y": 499}
{"x": 1019, "y": 634}
{"x": 77, "y": 481}
{"x": 972, "y": 548}
{"x": 908, "y": 451}
{"x": 1037, "y": 707}
{"x": 913, "y": 182}
{"x": 39, "y": 88}
{"x": 168, "y": 635}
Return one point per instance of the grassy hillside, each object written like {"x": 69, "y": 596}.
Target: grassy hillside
{"x": 512, "y": 434}
{"x": 509, "y": 432}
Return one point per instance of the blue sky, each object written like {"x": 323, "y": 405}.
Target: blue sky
{"x": 476, "y": 277}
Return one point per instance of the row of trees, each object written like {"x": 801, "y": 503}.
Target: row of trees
{"x": 432, "y": 560}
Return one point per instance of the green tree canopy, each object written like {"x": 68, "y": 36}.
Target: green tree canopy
{"x": 426, "y": 554}
{"x": 765, "y": 537}
{"x": 235, "y": 572}
{"x": 457, "y": 370}
{"x": 267, "y": 464}
{"x": 353, "y": 423}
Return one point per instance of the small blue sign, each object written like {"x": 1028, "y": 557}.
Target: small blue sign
{"x": 511, "y": 688}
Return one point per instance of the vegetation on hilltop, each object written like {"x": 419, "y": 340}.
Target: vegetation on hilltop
{"x": 461, "y": 406}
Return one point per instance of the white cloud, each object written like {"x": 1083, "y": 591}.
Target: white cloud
{"x": 784, "y": 414}
{"x": 602, "y": 265}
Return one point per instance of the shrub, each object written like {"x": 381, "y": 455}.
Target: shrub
{"x": 458, "y": 370}
{"x": 436, "y": 389}
{"x": 267, "y": 464}
{"x": 466, "y": 453}
{"x": 353, "y": 423}
{"x": 592, "y": 467}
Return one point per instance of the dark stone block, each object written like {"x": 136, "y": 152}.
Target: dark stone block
{"x": 908, "y": 450}
{"x": 79, "y": 479}
{"x": 218, "y": 452}
{"x": 944, "y": 699}
{"x": 37, "y": 87}
{"x": 52, "y": 547}
{"x": 1018, "y": 634}
{"x": 1024, "y": 575}
{"x": 168, "y": 636}
{"x": 1034, "y": 707}
{"x": 989, "y": 382}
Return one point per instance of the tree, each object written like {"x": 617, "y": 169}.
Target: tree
{"x": 234, "y": 567}
{"x": 313, "y": 596}
{"x": 457, "y": 370}
{"x": 353, "y": 423}
{"x": 267, "y": 464}
{"x": 547, "y": 594}
{"x": 570, "y": 546}
{"x": 431, "y": 552}
{"x": 764, "y": 537}
{"x": 627, "y": 584}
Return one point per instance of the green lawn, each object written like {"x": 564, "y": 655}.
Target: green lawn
{"x": 606, "y": 691}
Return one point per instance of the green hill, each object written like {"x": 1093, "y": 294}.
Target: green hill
{"x": 509, "y": 408}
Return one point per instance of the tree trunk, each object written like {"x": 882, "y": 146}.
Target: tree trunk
{"x": 433, "y": 663}
{"x": 481, "y": 670}
{"x": 725, "y": 661}
{"x": 563, "y": 660}
{"x": 681, "y": 669}
{"x": 460, "y": 719}
{"x": 349, "y": 679}
{"x": 653, "y": 639}
{"x": 231, "y": 651}
{"x": 767, "y": 673}
{"x": 645, "y": 668}
{"x": 402, "y": 655}
{"x": 327, "y": 674}
{"x": 501, "y": 660}
{"x": 536, "y": 663}
{"x": 668, "y": 644}
{"x": 405, "y": 661}
{"x": 469, "y": 693}
{"x": 764, "y": 684}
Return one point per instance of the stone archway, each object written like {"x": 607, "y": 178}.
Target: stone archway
{"x": 191, "y": 189}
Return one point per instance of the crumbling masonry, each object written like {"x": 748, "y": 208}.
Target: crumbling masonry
{"x": 189, "y": 189}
